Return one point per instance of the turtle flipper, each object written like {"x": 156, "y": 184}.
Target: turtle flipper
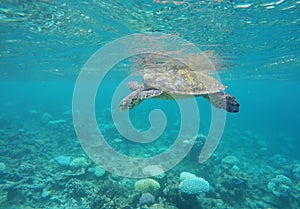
{"x": 134, "y": 85}
{"x": 148, "y": 93}
{"x": 136, "y": 97}
{"x": 224, "y": 101}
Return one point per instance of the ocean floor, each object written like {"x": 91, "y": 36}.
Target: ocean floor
{"x": 42, "y": 165}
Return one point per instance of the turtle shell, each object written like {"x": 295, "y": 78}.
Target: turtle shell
{"x": 182, "y": 80}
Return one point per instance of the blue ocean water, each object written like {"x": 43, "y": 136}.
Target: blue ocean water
{"x": 46, "y": 44}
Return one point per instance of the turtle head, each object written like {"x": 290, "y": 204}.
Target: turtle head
{"x": 129, "y": 102}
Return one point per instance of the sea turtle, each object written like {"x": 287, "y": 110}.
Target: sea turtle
{"x": 178, "y": 82}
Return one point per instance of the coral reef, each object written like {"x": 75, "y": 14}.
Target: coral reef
{"x": 63, "y": 160}
{"x": 97, "y": 170}
{"x": 194, "y": 186}
{"x": 80, "y": 162}
{"x": 39, "y": 170}
{"x": 147, "y": 186}
{"x": 191, "y": 184}
{"x": 2, "y": 167}
{"x": 229, "y": 162}
{"x": 147, "y": 199}
{"x": 186, "y": 176}
{"x": 154, "y": 171}
{"x": 280, "y": 185}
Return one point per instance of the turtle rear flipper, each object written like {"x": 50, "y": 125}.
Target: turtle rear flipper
{"x": 136, "y": 97}
{"x": 224, "y": 101}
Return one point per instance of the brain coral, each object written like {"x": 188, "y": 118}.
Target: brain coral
{"x": 147, "y": 186}
{"x": 194, "y": 186}
{"x": 280, "y": 186}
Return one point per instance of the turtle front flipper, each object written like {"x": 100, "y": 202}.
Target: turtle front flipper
{"x": 224, "y": 101}
{"x": 136, "y": 97}
{"x": 134, "y": 85}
